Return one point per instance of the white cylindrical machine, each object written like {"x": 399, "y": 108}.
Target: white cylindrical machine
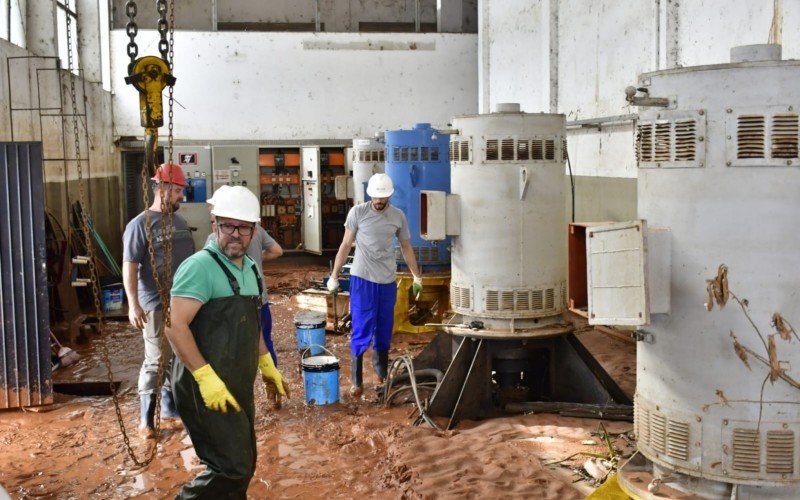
{"x": 508, "y": 262}
{"x": 719, "y": 168}
{"x": 369, "y": 158}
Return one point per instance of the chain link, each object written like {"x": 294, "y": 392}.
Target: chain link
{"x": 90, "y": 247}
{"x": 131, "y": 29}
{"x": 163, "y": 26}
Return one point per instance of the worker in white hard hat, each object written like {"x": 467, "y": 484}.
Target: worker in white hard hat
{"x": 216, "y": 297}
{"x": 262, "y": 247}
{"x": 373, "y": 226}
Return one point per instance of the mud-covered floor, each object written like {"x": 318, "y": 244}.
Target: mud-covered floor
{"x": 74, "y": 448}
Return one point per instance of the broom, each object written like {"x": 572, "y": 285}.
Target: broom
{"x": 66, "y": 356}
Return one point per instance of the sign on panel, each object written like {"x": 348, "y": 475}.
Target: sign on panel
{"x": 616, "y": 256}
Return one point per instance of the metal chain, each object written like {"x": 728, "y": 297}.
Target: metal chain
{"x": 163, "y": 26}
{"x": 90, "y": 248}
{"x": 131, "y": 29}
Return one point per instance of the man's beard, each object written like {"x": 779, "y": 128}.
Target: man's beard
{"x": 234, "y": 254}
{"x": 379, "y": 206}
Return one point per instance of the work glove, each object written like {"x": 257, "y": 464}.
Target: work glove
{"x": 416, "y": 288}
{"x": 333, "y": 284}
{"x": 215, "y": 394}
{"x": 271, "y": 375}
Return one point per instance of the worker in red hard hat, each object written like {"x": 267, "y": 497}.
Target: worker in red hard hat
{"x": 144, "y": 302}
{"x": 171, "y": 174}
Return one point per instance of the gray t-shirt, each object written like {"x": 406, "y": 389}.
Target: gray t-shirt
{"x": 261, "y": 241}
{"x": 375, "y": 259}
{"x": 134, "y": 249}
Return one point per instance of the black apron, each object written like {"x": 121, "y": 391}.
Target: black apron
{"x": 226, "y": 331}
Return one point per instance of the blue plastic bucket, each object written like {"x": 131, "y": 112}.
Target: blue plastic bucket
{"x": 310, "y": 327}
{"x": 112, "y": 298}
{"x": 320, "y": 377}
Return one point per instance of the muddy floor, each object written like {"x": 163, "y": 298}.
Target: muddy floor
{"x": 74, "y": 448}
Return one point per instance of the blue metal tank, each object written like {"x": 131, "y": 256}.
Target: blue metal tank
{"x": 417, "y": 160}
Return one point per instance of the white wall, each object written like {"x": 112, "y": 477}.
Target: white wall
{"x": 600, "y": 47}
{"x": 294, "y": 86}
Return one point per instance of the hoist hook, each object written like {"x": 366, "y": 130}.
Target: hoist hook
{"x": 150, "y": 75}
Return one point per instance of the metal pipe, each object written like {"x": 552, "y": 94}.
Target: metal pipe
{"x": 600, "y": 121}
{"x": 417, "y": 9}
{"x": 317, "y": 22}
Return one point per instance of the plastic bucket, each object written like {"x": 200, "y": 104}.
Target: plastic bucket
{"x": 112, "y": 298}
{"x": 310, "y": 327}
{"x": 320, "y": 377}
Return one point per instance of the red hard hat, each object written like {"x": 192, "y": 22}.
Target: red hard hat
{"x": 171, "y": 173}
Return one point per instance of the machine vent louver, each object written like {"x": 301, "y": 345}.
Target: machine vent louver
{"x": 537, "y": 149}
{"x": 396, "y": 154}
{"x": 780, "y": 452}
{"x": 507, "y": 300}
{"x": 644, "y": 142}
{"x": 564, "y": 154}
{"x": 550, "y": 149}
{"x": 522, "y": 300}
{"x": 642, "y": 425}
{"x": 685, "y": 140}
{"x": 538, "y": 300}
{"x": 492, "y": 152}
{"x": 381, "y": 155}
{"x": 750, "y": 137}
{"x": 413, "y": 154}
{"x": 785, "y": 136}
{"x": 658, "y": 432}
{"x": 464, "y": 150}
{"x": 507, "y": 149}
{"x": 549, "y": 298}
{"x": 434, "y": 154}
{"x": 746, "y": 450}
{"x": 662, "y": 141}
{"x": 523, "y": 150}
{"x": 454, "y": 151}
{"x": 492, "y": 300}
{"x": 678, "y": 440}
{"x": 424, "y": 153}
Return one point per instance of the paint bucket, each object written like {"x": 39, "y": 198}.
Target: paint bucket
{"x": 320, "y": 377}
{"x": 310, "y": 326}
{"x": 112, "y": 298}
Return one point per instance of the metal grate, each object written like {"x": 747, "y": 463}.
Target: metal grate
{"x": 785, "y": 136}
{"x": 464, "y": 147}
{"x": 564, "y": 154}
{"x": 538, "y": 300}
{"x": 780, "y": 452}
{"x": 746, "y": 450}
{"x": 685, "y": 140}
{"x": 662, "y": 141}
{"x": 507, "y": 300}
{"x": 404, "y": 153}
{"x": 396, "y": 154}
{"x": 521, "y": 300}
{"x": 507, "y": 149}
{"x": 424, "y": 153}
{"x": 492, "y": 152}
{"x": 413, "y": 154}
{"x": 549, "y": 298}
{"x": 644, "y": 142}
{"x": 658, "y": 432}
{"x": 434, "y": 154}
{"x": 461, "y": 297}
{"x": 678, "y": 440}
{"x": 454, "y": 151}
{"x": 750, "y": 136}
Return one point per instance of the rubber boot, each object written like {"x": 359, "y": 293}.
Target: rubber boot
{"x": 380, "y": 362}
{"x": 147, "y": 418}
{"x": 169, "y": 414}
{"x": 357, "y": 376}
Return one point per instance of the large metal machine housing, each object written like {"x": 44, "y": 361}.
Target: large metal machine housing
{"x": 718, "y": 167}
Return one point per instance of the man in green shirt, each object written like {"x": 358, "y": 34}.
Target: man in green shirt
{"x": 215, "y": 334}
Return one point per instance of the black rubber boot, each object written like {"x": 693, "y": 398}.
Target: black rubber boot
{"x": 380, "y": 362}
{"x": 148, "y": 414}
{"x": 357, "y": 376}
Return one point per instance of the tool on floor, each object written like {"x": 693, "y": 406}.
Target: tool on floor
{"x": 66, "y": 356}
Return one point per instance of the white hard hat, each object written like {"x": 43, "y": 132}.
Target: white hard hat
{"x": 236, "y": 202}
{"x": 380, "y": 186}
{"x": 218, "y": 192}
